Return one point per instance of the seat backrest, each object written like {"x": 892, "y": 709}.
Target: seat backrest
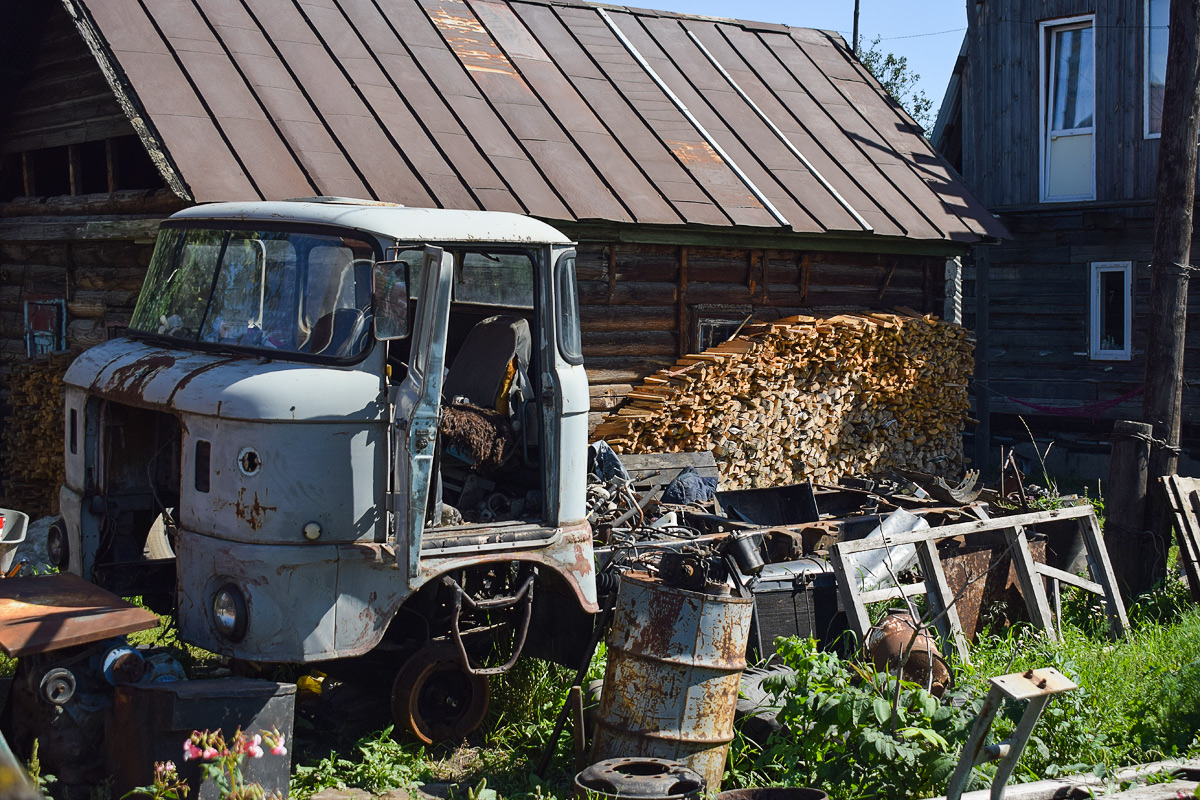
{"x": 480, "y": 369}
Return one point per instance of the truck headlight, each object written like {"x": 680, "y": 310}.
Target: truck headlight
{"x": 229, "y": 612}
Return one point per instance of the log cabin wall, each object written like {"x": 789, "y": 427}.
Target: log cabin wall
{"x": 644, "y": 305}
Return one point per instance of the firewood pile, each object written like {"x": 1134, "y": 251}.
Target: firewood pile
{"x": 810, "y": 399}
{"x": 33, "y": 435}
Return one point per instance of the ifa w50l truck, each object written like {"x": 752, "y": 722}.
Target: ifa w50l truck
{"x": 266, "y": 451}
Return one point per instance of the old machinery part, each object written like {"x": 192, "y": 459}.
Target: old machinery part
{"x": 120, "y": 663}
{"x": 435, "y": 698}
{"x": 249, "y": 461}
{"x": 640, "y": 778}
{"x": 230, "y": 616}
{"x": 58, "y": 686}
{"x": 58, "y": 548}
{"x": 312, "y": 531}
{"x": 746, "y": 550}
{"x": 774, "y": 793}
{"x": 899, "y": 644}
{"x": 523, "y": 597}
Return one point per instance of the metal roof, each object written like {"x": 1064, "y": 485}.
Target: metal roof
{"x": 405, "y": 224}
{"x": 566, "y": 111}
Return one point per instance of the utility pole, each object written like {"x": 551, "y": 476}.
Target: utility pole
{"x": 1169, "y": 267}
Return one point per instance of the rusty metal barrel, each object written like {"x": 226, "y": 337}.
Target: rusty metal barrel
{"x": 675, "y": 659}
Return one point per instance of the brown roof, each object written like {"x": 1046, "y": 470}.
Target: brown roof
{"x": 562, "y": 110}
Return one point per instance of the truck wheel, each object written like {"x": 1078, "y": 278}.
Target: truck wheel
{"x": 435, "y": 699}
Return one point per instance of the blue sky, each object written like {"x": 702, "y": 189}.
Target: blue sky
{"x": 927, "y": 32}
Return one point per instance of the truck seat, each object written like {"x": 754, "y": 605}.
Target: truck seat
{"x": 481, "y": 370}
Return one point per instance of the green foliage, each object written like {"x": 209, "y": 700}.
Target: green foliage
{"x": 900, "y": 82}
{"x": 382, "y": 764}
{"x": 854, "y": 732}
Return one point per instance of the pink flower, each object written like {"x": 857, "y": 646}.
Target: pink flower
{"x": 209, "y": 753}
{"x": 279, "y": 750}
{"x": 277, "y": 742}
{"x": 190, "y": 750}
{"x": 253, "y": 747}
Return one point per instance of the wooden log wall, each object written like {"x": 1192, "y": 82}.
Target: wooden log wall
{"x": 1033, "y": 339}
{"x": 91, "y": 252}
{"x": 640, "y": 303}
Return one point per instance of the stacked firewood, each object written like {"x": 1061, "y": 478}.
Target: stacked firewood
{"x": 33, "y": 435}
{"x": 810, "y": 399}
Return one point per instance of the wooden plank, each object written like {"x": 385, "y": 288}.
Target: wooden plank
{"x": 1032, "y": 587}
{"x": 682, "y": 339}
{"x": 1102, "y": 571}
{"x": 893, "y": 593}
{"x": 1031, "y": 519}
{"x": 1185, "y": 501}
{"x": 942, "y": 601}
{"x": 857, "y": 618}
{"x": 1069, "y": 578}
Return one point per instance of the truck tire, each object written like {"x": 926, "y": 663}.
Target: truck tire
{"x": 435, "y": 699}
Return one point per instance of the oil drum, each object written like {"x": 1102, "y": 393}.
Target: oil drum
{"x": 675, "y": 658}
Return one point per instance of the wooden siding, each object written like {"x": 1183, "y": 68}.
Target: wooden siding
{"x": 1001, "y": 136}
{"x": 635, "y": 321}
{"x": 65, "y": 100}
{"x": 1036, "y": 334}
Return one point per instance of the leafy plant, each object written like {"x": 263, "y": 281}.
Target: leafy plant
{"x": 893, "y": 73}
{"x": 222, "y": 764}
{"x": 855, "y": 732}
{"x": 382, "y": 764}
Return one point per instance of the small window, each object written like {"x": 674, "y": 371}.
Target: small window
{"x": 1111, "y": 311}
{"x": 203, "y": 472}
{"x": 1155, "y": 66}
{"x": 1068, "y": 110}
{"x": 569, "y": 344}
{"x": 45, "y": 326}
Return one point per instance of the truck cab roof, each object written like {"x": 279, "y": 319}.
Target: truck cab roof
{"x": 389, "y": 220}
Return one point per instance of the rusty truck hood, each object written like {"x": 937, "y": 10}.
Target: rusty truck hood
{"x": 220, "y": 385}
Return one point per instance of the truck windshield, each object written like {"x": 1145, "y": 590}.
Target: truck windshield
{"x": 297, "y": 292}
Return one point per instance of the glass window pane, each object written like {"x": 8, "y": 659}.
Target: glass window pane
{"x": 1073, "y": 94}
{"x": 495, "y": 279}
{"x": 1112, "y": 309}
{"x": 1157, "y": 15}
{"x": 568, "y": 311}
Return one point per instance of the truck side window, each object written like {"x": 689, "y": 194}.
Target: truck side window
{"x": 569, "y": 344}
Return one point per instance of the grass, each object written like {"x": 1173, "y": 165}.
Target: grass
{"x": 1138, "y": 701}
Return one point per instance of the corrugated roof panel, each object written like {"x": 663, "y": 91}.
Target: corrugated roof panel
{"x": 320, "y": 155}
{"x": 741, "y": 133}
{"x": 564, "y": 110}
{"x": 445, "y": 132}
{"x": 586, "y": 130}
{"x": 190, "y": 137}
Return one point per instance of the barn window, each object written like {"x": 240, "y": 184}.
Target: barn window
{"x": 1111, "y": 288}
{"x": 1155, "y": 66}
{"x": 712, "y": 325}
{"x": 45, "y": 326}
{"x": 1068, "y": 106}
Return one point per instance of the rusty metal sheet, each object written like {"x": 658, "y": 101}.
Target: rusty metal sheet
{"x": 634, "y": 136}
{"x": 274, "y": 168}
{"x": 983, "y": 577}
{"x": 715, "y": 102}
{"x": 49, "y": 612}
{"x": 191, "y": 137}
{"x": 283, "y": 99}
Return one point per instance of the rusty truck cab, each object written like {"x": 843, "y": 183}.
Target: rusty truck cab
{"x": 264, "y": 450}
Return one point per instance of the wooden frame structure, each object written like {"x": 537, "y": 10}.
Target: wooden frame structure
{"x": 942, "y": 600}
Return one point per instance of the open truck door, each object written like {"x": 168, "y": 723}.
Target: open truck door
{"x": 415, "y": 405}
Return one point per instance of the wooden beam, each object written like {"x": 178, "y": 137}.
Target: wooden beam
{"x": 681, "y": 309}
{"x": 112, "y": 164}
{"x": 28, "y": 174}
{"x": 805, "y": 269}
{"x": 74, "y": 170}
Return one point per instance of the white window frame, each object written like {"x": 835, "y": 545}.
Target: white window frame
{"x": 1146, "y": 132}
{"x": 1094, "y": 284}
{"x": 1046, "y": 28}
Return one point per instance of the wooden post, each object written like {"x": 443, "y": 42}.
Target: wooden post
{"x": 112, "y": 164}
{"x": 983, "y": 400}
{"x": 75, "y": 169}
{"x": 1125, "y": 504}
{"x": 1176, "y": 193}
{"x": 681, "y": 310}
